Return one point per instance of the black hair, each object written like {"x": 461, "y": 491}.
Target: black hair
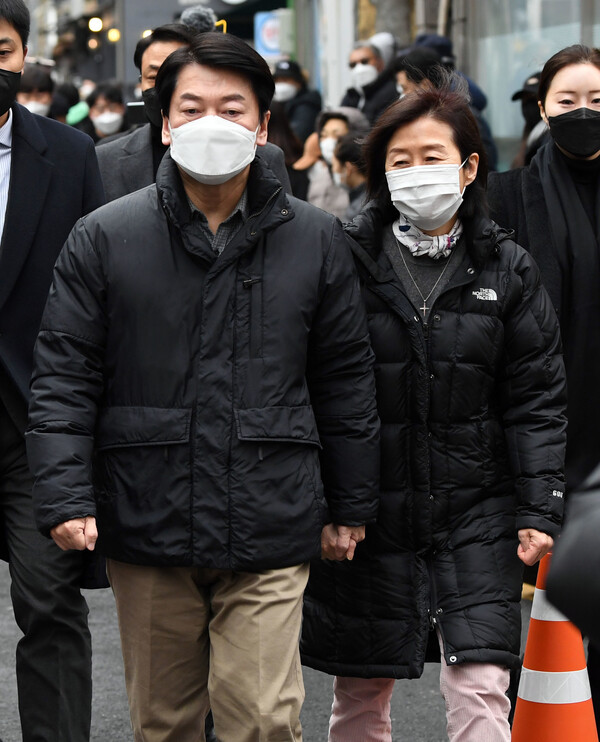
{"x": 448, "y": 104}
{"x": 419, "y": 64}
{"x": 350, "y": 149}
{"x": 219, "y": 51}
{"x": 576, "y": 54}
{"x": 35, "y": 77}
{"x": 112, "y": 91}
{"x": 282, "y": 134}
{"x": 168, "y": 32}
{"x": 69, "y": 92}
{"x": 15, "y": 13}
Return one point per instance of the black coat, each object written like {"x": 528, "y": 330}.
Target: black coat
{"x": 569, "y": 262}
{"x": 302, "y": 111}
{"x": 573, "y": 584}
{"x": 54, "y": 181}
{"x": 472, "y": 443}
{"x": 199, "y": 390}
{"x": 377, "y": 96}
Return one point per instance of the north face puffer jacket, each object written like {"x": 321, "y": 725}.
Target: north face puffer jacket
{"x": 472, "y": 407}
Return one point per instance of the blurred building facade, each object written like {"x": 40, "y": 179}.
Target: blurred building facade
{"x": 497, "y": 42}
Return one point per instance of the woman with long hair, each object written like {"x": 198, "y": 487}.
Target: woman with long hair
{"x": 553, "y": 206}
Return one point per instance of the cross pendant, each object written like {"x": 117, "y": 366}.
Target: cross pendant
{"x": 424, "y": 309}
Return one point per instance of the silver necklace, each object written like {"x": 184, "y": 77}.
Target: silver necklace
{"x": 424, "y": 309}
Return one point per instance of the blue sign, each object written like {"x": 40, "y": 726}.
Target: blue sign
{"x": 266, "y": 34}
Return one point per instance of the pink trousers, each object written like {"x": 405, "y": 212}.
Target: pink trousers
{"x": 477, "y": 706}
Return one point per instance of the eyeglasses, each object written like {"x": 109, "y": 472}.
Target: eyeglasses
{"x": 364, "y": 60}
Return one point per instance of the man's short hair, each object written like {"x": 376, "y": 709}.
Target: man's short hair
{"x": 16, "y": 13}
{"x": 112, "y": 91}
{"x": 219, "y": 51}
{"x": 35, "y": 77}
{"x": 367, "y": 45}
{"x": 168, "y": 32}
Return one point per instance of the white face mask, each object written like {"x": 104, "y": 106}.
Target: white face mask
{"x": 284, "y": 91}
{"x": 337, "y": 179}
{"x": 400, "y": 90}
{"x": 427, "y": 195}
{"x": 34, "y": 106}
{"x": 211, "y": 149}
{"x": 363, "y": 74}
{"x": 86, "y": 90}
{"x": 108, "y": 123}
{"x": 327, "y": 146}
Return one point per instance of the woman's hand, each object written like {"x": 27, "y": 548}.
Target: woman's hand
{"x": 339, "y": 542}
{"x": 533, "y": 545}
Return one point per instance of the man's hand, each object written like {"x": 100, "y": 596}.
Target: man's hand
{"x": 533, "y": 545}
{"x": 79, "y": 534}
{"x": 339, "y": 542}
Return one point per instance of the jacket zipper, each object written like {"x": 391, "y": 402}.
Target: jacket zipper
{"x": 254, "y": 285}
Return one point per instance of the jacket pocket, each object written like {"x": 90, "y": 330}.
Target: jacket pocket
{"x": 121, "y": 427}
{"x": 142, "y": 477}
{"x": 277, "y": 424}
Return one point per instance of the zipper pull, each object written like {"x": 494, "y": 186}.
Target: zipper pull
{"x": 432, "y": 621}
{"x": 247, "y": 283}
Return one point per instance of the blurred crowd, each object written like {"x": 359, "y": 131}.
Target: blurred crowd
{"x": 321, "y": 145}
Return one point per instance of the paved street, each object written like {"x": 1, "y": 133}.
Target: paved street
{"x": 417, "y": 709}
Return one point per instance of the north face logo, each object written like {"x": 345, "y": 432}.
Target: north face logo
{"x": 486, "y": 295}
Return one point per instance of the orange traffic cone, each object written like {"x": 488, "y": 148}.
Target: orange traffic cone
{"x": 554, "y": 702}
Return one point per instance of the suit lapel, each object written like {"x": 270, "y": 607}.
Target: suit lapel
{"x": 30, "y": 174}
{"x": 136, "y": 163}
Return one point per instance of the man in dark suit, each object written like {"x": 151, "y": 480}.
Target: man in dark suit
{"x": 129, "y": 162}
{"x": 48, "y": 179}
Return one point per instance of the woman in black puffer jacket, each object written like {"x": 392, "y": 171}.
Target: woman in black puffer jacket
{"x": 471, "y": 396}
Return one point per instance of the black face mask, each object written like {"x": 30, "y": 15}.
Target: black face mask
{"x": 10, "y": 82}
{"x": 577, "y": 132}
{"x": 152, "y": 107}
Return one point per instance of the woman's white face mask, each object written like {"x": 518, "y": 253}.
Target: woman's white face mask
{"x": 211, "y": 149}
{"x": 427, "y": 195}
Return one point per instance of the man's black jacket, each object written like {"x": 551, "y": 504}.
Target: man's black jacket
{"x": 209, "y": 411}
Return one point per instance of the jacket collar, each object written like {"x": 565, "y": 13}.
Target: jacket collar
{"x": 268, "y": 205}
{"x": 483, "y": 237}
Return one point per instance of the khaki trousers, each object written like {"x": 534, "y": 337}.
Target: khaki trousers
{"x": 195, "y": 639}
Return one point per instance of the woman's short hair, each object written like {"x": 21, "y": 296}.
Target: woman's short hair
{"x": 576, "y": 54}
{"x": 448, "y": 104}
{"x": 219, "y": 51}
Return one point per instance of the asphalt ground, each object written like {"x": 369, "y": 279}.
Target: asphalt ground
{"x": 417, "y": 708}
